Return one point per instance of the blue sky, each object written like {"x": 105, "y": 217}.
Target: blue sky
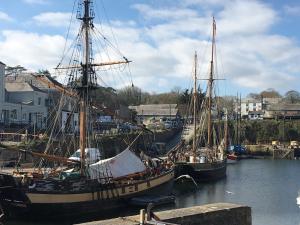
{"x": 258, "y": 42}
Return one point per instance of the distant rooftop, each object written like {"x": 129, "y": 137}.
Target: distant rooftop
{"x": 31, "y": 79}
{"x": 20, "y": 87}
{"x": 251, "y": 100}
{"x": 156, "y": 110}
{"x": 285, "y": 107}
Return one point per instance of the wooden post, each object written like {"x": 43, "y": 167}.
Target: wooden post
{"x": 142, "y": 216}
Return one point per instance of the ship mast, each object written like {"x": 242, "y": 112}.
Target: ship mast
{"x": 88, "y": 79}
{"x": 210, "y": 87}
{"x": 195, "y": 102}
{"x": 85, "y": 84}
{"x": 226, "y": 131}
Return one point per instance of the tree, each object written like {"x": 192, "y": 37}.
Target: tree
{"x": 270, "y": 93}
{"x": 185, "y": 97}
{"x": 130, "y": 95}
{"x": 292, "y": 97}
{"x": 14, "y": 70}
{"x": 254, "y": 96}
{"x": 44, "y": 72}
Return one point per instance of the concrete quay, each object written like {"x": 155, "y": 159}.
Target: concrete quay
{"x": 210, "y": 214}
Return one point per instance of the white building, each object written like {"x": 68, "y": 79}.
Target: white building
{"x": 251, "y": 108}
{"x": 21, "y": 103}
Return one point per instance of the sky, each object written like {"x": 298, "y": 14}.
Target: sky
{"x": 257, "y": 42}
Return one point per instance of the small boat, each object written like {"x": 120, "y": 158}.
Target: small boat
{"x": 232, "y": 156}
{"x": 156, "y": 200}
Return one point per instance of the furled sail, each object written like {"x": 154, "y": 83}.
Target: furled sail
{"x": 123, "y": 164}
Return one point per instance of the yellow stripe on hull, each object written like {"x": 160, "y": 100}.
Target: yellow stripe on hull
{"x": 101, "y": 195}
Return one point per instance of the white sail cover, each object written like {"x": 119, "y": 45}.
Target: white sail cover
{"x": 123, "y": 164}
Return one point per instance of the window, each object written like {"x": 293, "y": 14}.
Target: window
{"x": 13, "y": 114}
{"x": 24, "y": 116}
{"x": 39, "y": 100}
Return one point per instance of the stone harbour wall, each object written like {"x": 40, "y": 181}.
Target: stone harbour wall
{"x": 210, "y": 214}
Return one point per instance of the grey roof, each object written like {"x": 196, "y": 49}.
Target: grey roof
{"x": 31, "y": 78}
{"x": 20, "y": 87}
{"x": 2, "y": 63}
{"x": 251, "y": 100}
{"x": 284, "y": 107}
{"x": 156, "y": 110}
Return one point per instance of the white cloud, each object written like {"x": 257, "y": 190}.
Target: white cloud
{"x": 162, "y": 51}
{"x": 31, "y": 50}
{"x": 55, "y": 19}
{"x": 251, "y": 58}
{"x": 41, "y": 2}
{"x": 5, "y": 17}
{"x": 201, "y": 2}
{"x": 167, "y": 13}
{"x": 237, "y": 18}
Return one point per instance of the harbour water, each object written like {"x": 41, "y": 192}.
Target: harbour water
{"x": 269, "y": 187}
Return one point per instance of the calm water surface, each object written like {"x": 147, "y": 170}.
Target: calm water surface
{"x": 269, "y": 187}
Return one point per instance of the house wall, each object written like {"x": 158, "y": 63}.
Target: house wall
{"x": 37, "y": 98}
{"x": 11, "y": 113}
{"x": 250, "y": 106}
{"x": 15, "y": 113}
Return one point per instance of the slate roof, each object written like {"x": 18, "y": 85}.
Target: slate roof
{"x": 21, "y": 87}
{"x": 156, "y": 110}
{"x": 284, "y": 107}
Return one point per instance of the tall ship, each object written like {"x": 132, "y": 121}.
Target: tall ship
{"x": 83, "y": 183}
{"x": 202, "y": 154}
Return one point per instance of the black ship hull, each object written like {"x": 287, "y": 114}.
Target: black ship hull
{"x": 18, "y": 204}
{"x": 202, "y": 171}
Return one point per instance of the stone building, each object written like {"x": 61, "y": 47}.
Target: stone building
{"x": 145, "y": 113}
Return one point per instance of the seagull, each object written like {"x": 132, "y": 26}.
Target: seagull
{"x": 188, "y": 177}
{"x": 229, "y": 192}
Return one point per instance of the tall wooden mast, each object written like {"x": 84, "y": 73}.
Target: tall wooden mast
{"x": 210, "y": 87}
{"x": 195, "y": 102}
{"x": 226, "y": 131}
{"x": 88, "y": 80}
{"x": 85, "y": 81}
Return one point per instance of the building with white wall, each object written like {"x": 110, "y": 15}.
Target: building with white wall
{"x": 251, "y": 108}
{"x": 21, "y": 103}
